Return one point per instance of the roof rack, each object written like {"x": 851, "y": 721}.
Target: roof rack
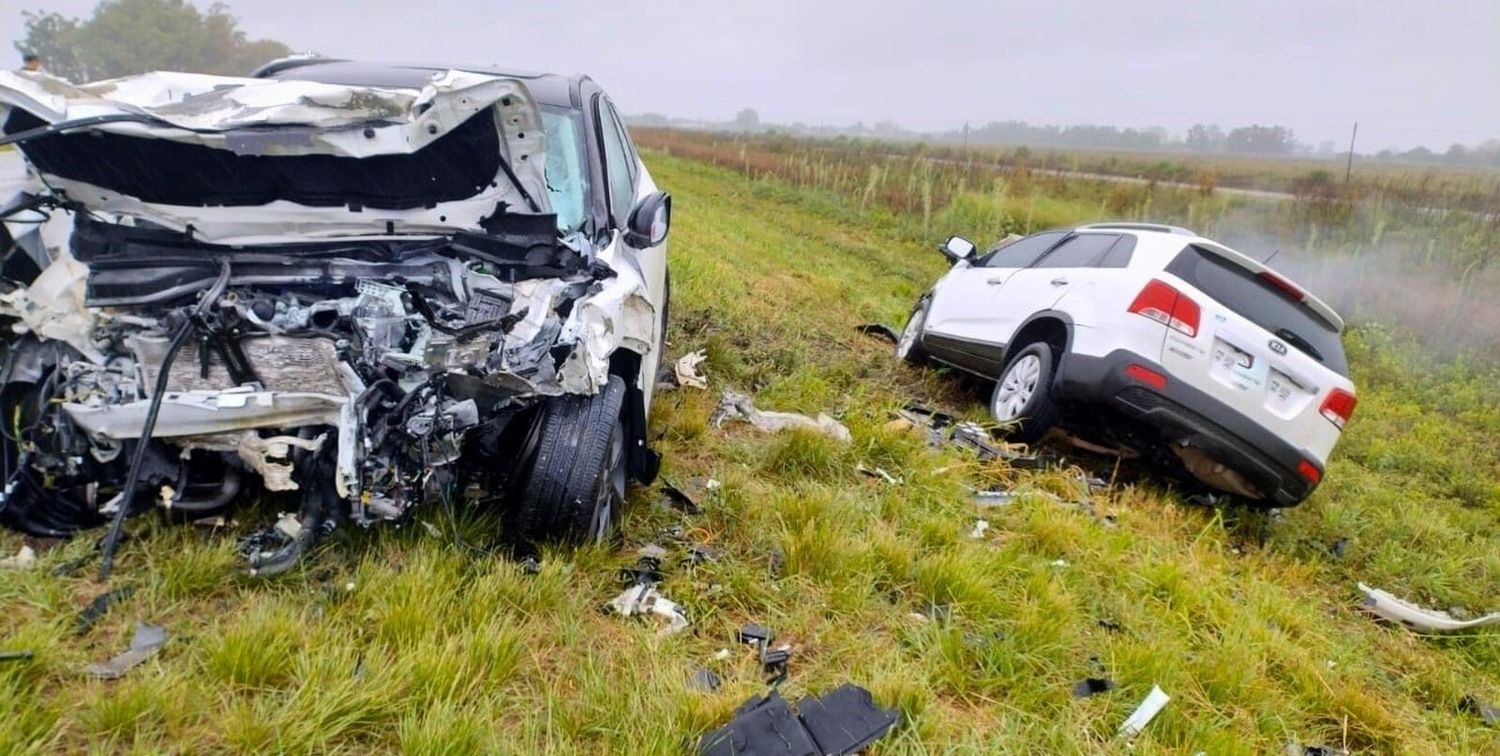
{"x": 1134, "y": 226}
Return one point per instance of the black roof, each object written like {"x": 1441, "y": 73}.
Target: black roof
{"x": 548, "y": 89}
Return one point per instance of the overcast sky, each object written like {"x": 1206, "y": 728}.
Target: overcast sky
{"x": 1410, "y": 72}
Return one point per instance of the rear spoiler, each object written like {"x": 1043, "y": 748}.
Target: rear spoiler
{"x": 1275, "y": 278}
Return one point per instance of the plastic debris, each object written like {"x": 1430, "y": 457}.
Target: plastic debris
{"x": 644, "y": 599}
{"x": 877, "y": 472}
{"x": 842, "y": 721}
{"x": 679, "y": 499}
{"x": 22, "y": 655}
{"x": 979, "y": 527}
{"x": 1297, "y": 749}
{"x": 24, "y": 559}
{"x": 704, "y": 680}
{"x": 100, "y": 607}
{"x": 1488, "y": 712}
{"x": 942, "y": 429}
{"x": 1414, "y": 617}
{"x": 740, "y": 406}
{"x": 1092, "y": 686}
{"x": 147, "y": 641}
{"x": 1154, "y": 702}
{"x": 686, "y": 370}
{"x": 773, "y": 661}
{"x": 878, "y": 330}
{"x": 994, "y": 498}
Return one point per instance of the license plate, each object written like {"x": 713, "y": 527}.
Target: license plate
{"x": 1237, "y": 368}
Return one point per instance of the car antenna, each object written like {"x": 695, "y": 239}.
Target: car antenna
{"x": 1274, "y": 253}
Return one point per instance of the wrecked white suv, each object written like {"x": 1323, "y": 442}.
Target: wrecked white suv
{"x": 360, "y": 287}
{"x": 1152, "y": 339}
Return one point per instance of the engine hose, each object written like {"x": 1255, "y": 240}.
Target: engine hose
{"x": 316, "y": 500}
{"x": 132, "y": 478}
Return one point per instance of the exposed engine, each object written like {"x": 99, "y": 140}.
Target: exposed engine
{"x": 366, "y": 378}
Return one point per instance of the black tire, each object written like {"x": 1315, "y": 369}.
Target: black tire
{"x": 576, "y": 484}
{"x": 1027, "y": 404}
{"x": 909, "y": 341}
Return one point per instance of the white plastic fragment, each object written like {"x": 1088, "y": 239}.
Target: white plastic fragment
{"x": 1155, "y": 701}
{"x": 687, "y": 370}
{"x": 645, "y": 599}
{"x": 734, "y": 405}
{"x": 24, "y": 559}
{"x": 979, "y": 527}
{"x": 877, "y": 472}
{"x": 1405, "y": 613}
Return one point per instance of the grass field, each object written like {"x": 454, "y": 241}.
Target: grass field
{"x": 401, "y": 640}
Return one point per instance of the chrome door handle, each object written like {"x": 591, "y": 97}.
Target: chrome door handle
{"x": 1059, "y": 282}
{"x": 996, "y": 281}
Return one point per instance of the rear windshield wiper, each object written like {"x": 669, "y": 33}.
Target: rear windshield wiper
{"x": 1299, "y": 342}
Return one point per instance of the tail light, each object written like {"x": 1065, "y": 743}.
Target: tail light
{"x": 1287, "y": 287}
{"x": 1338, "y": 407}
{"x": 1309, "y": 472}
{"x": 1146, "y": 375}
{"x": 1166, "y": 305}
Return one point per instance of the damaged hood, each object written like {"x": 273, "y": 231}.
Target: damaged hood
{"x": 238, "y": 160}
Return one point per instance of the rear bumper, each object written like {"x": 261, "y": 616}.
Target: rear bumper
{"x": 1186, "y": 415}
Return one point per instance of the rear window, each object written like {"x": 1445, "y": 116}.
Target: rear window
{"x": 1263, "y": 304}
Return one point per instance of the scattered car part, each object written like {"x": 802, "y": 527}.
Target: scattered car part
{"x": 148, "y": 640}
{"x": 773, "y": 661}
{"x": 877, "y": 472}
{"x": 1092, "y": 686}
{"x": 980, "y": 526}
{"x": 1297, "y": 749}
{"x": 1152, "y": 705}
{"x": 704, "y": 680}
{"x": 679, "y": 499}
{"x": 842, "y": 721}
{"x": 1487, "y": 712}
{"x": 1416, "y": 618}
{"x": 846, "y": 719}
{"x": 878, "y": 330}
{"x": 24, "y": 559}
{"x": 22, "y": 655}
{"x": 994, "y": 498}
{"x": 739, "y": 406}
{"x": 686, "y": 370}
{"x": 100, "y": 606}
{"x": 644, "y": 599}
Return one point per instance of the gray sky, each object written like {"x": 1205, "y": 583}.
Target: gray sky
{"x": 1410, "y": 72}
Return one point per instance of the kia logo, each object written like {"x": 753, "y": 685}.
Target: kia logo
{"x": 1278, "y": 347}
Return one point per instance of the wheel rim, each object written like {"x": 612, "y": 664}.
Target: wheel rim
{"x": 1016, "y": 388}
{"x": 909, "y": 334}
{"x": 609, "y": 495}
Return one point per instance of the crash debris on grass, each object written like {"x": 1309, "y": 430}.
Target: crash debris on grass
{"x": 1152, "y": 705}
{"x": 147, "y": 641}
{"x": 1407, "y": 614}
{"x": 1487, "y": 712}
{"x": 24, "y": 654}
{"x": 877, "y": 472}
{"x": 942, "y": 429}
{"x": 844, "y": 720}
{"x": 773, "y": 661}
{"x": 739, "y": 406}
{"x": 1092, "y": 686}
{"x": 644, "y": 599}
{"x": 686, "y": 370}
{"x": 100, "y": 606}
{"x": 24, "y": 559}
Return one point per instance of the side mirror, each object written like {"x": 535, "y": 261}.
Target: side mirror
{"x": 648, "y": 222}
{"x": 956, "y": 248}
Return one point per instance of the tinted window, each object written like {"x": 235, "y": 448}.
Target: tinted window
{"x": 1118, "y": 256}
{"x": 1263, "y": 304}
{"x": 1021, "y": 253}
{"x": 619, "y": 168}
{"x": 1081, "y": 251}
{"x": 567, "y": 173}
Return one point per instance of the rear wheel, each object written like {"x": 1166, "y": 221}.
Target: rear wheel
{"x": 909, "y": 346}
{"x": 1023, "y": 395}
{"x": 576, "y": 485}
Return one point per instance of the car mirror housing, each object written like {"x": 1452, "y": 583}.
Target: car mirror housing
{"x": 956, "y": 248}
{"x": 648, "y": 222}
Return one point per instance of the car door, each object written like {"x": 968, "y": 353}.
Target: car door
{"x": 1039, "y": 287}
{"x": 626, "y": 182}
{"x": 966, "y": 303}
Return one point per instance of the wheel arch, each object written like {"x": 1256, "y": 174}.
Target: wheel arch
{"x": 1051, "y": 326}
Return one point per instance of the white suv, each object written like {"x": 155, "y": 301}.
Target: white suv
{"x": 1151, "y": 337}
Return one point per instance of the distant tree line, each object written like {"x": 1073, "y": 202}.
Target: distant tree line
{"x": 125, "y": 37}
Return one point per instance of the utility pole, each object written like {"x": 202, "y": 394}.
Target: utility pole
{"x": 1349, "y": 167}
{"x": 966, "y": 138}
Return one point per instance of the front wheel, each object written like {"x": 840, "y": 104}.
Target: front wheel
{"x": 909, "y": 346}
{"x": 576, "y": 486}
{"x": 1023, "y": 396}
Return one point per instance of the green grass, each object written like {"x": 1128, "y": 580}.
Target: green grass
{"x": 396, "y": 640}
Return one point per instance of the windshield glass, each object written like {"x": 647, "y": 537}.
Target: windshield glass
{"x": 567, "y": 173}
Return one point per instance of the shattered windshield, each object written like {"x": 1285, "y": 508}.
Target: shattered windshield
{"x": 567, "y": 180}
